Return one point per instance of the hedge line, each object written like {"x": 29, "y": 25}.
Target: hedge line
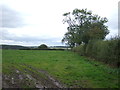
{"x": 107, "y": 51}
{"x": 42, "y": 49}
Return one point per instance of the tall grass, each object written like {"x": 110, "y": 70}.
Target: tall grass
{"x": 107, "y": 51}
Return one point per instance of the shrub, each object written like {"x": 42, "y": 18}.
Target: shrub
{"x": 79, "y": 49}
{"x": 107, "y": 51}
{"x": 90, "y": 49}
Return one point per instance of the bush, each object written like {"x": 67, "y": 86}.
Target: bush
{"x": 79, "y": 49}
{"x": 107, "y": 51}
{"x": 43, "y": 46}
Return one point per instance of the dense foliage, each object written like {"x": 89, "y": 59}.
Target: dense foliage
{"x": 83, "y": 26}
{"x": 107, "y": 51}
{"x": 43, "y": 46}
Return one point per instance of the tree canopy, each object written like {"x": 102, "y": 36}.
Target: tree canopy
{"x": 83, "y": 26}
{"x": 43, "y": 46}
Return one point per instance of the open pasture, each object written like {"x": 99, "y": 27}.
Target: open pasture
{"x": 39, "y": 68}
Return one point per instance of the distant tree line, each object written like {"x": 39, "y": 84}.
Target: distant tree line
{"x": 43, "y": 46}
{"x": 16, "y": 47}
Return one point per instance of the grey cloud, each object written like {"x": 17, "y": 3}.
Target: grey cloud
{"x": 119, "y": 18}
{"x": 10, "y": 18}
{"x": 113, "y": 21}
{"x": 35, "y": 40}
{"x": 8, "y": 36}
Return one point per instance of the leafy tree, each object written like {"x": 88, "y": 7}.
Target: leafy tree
{"x": 83, "y": 26}
{"x": 43, "y": 46}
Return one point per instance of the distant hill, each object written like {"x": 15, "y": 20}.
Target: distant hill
{"x": 13, "y": 47}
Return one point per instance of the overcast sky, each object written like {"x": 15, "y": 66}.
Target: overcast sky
{"x": 34, "y": 22}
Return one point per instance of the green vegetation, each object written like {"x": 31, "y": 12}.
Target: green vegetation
{"x": 107, "y": 51}
{"x": 68, "y": 67}
{"x": 83, "y": 26}
{"x": 43, "y": 46}
{"x": 86, "y": 34}
{"x": 43, "y": 67}
{"x": 13, "y": 47}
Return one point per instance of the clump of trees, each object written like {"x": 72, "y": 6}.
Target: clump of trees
{"x": 86, "y": 34}
{"x": 83, "y": 26}
{"x": 43, "y": 46}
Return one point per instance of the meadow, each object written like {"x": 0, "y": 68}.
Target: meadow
{"x": 68, "y": 68}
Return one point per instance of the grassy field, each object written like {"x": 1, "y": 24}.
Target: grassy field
{"x": 67, "y": 67}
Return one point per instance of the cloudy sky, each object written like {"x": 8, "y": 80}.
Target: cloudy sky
{"x": 34, "y": 22}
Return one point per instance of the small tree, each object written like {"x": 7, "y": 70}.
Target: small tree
{"x": 43, "y": 46}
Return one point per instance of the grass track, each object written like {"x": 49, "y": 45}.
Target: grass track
{"x": 68, "y": 67}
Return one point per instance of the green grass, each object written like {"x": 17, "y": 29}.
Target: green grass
{"x": 68, "y": 67}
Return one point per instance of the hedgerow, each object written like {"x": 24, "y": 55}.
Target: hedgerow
{"x": 107, "y": 51}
